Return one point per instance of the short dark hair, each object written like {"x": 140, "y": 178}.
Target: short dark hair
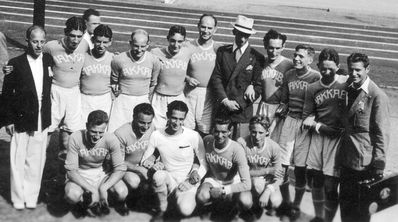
{"x": 208, "y": 15}
{"x": 74, "y": 23}
{"x": 89, "y": 12}
{"x": 330, "y": 55}
{"x": 273, "y": 34}
{"x": 33, "y": 28}
{"x": 222, "y": 119}
{"x": 177, "y": 29}
{"x": 176, "y": 105}
{"x": 358, "y": 57}
{"x": 103, "y": 30}
{"x": 308, "y": 48}
{"x": 144, "y": 108}
{"x": 97, "y": 117}
{"x": 264, "y": 121}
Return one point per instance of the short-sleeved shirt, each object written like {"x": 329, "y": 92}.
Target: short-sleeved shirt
{"x": 67, "y": 64}
{"x": 135, "y": 77}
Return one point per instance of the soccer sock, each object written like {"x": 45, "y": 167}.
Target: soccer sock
{"x": 161, "y": 193}
{"x": 299, "y": 173}
{"x": 330, "y": 210}
{"x": 318, "y": 198}
{"x": 284, "y": 187}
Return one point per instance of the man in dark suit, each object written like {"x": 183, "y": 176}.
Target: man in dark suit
{"x": 26, "y": 97}
{"x": 237, "y": 66}
{"x": 366, "y": 137}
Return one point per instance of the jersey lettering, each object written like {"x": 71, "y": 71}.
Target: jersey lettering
{"x": 97, "y": 68}
{"x": 257, "y": 159}
{"x": 299, "y": 84}
{"x": 93, "y": 152}
{"x": 174, "y": 64}
{"x": 139, "y": 145}
{"x": 74, "y": 57}
{"x": 330, "y": 94}
{"x": 141, "y": 71}
{"x": 214, "y": 158}
{"x": 203, "y": 56}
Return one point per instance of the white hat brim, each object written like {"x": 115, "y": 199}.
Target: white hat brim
{"x": 247, "y": 31}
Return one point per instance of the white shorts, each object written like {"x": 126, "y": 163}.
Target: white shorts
{"x": 294, "y": 142}
{"x": 95, "y": 102}
{"x": 159, "y": 104}
{"x": 218, "y": 183}
{"x": 322, "y": 154}
{"x": 172, "y": 185}
{"x": 122, "y": 110}
{"x": 200, "y": 106}
{"x": 65, "y": 107}
{"x": 93, "y": 176}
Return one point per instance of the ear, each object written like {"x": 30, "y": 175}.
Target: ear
{"x": 367, "y": 69}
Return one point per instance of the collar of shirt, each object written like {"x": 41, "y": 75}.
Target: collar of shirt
{"x": 242, "y": 49}
{"x": 31, "y": 59}
{"x": 364, "y": 86}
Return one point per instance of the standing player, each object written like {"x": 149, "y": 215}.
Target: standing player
{"x": 95, "y": 80}
{"x": 134, "y": 75}
{"x": 263, "y": 155}
{"x": 275, "y": 67}
{"x": 92, "y": 19}
{"x": 325, "y": 99}
{"x": 366, "y": 137}
{"x": 87, "y": 151}
{"x": 200, "y": 68}
{"x": 228, "y": 170}
{"x": 133, "y": 138}
{"x": 68, "y": 55}
{"x": 176, "y": 174}
{"x": 294, "y": 140}
{"x": 171, "y": 82}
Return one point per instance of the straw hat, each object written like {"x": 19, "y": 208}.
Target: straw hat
{"x": 244, "y": 24}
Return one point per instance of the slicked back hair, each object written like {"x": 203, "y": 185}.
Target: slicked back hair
{"x": 97, "y": 117}
{"x": 33, "y": 28}
{"x": 177, "y": 29}
{"x": 89, "y": 12}
{"x": 103, "y": 30}
{"x": 330, "y": 55}
{"x": 74, "y": 23}
{"x": 222, "y": 119}
{"x": 308, "y": 48}
{"x": 144, "y": 108}
{"x": 273, "y": 34}
{"x": 358, "y": 57}
{"x": 176, "y": 105}
{"x": 260, "y": 119}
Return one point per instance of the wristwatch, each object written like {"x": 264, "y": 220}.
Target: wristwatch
{"x": 223, "y": 191}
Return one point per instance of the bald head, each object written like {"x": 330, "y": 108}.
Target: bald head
{"x": 139, "y": 43}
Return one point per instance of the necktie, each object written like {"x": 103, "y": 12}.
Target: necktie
{"x": 238, "y": 54}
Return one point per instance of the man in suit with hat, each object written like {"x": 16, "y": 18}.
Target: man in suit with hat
{"x": 238, "y": 65}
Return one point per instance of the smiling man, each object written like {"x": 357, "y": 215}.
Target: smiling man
{"x": 134, "y": 77}
{"x": 200, "y": 68}
{"x": 27, "y": 108}
{"x": 87, "y": 151}
{"x": 95, "y": 80}
{"x": 175, "y": 174}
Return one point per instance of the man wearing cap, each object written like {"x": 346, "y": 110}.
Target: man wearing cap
{"x": 237, "y": 66}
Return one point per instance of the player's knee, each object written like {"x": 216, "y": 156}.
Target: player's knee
{"x": 159, "y": 178}
{"x": 186, "y": 208}
{"x": 276, "y": 199}
{"x": 299, "y": 173}
{"x": 318, "y": 179}
{"x": 245, "y": 200}
{"x": 258, "y": 185}
{"x": 203, "y": 195}
{"x": 121, "y": 191}
{"x": 133, "y": 180}
{"x": 73, "y": 195}
{"x": 331, "y": 192}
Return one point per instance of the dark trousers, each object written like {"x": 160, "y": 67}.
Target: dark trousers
{"x": 350, "y": 204}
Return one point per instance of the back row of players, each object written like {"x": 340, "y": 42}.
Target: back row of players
{"x": 307, "y": 136}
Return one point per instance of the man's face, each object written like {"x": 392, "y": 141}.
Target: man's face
{"x": 101, "y": 43}
{"x": 301, "y": 59}
{"x": 92, "y": 23}
{"x": 175, "y": 43}
{"x": 95, "y": 133}
{"x": 258, "y": 134}
{"x": 73, "y": 38}
{"x": 274, "y": 48}
{"x": 358, "y": 72}
{"x": 240, "y": 38}
{"x": 35, "y": 43}
{"x": 207, "y": 28}
{"x": 328, "y": 69}
{"x": 176, "y": 120}
{"x": 221, "y": 134}
{"x": 139, "y": 45}
{"x": 142, "y": 123}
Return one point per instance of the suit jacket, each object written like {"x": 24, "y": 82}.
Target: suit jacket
{"x": 21, "y": 106}
{"x": 230, "y": 80}
{"x": 366, "y": 130}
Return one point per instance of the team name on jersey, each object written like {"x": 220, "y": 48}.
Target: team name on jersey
{"x": 214, "y": 158}
{"x": 94, "y": 152}
{"x": 140, "y": 71}
{"x": 65, "y": 58}
{"x": 257, "y": 159}
{"x": 139, "y": 145}
{"x": 97, "y": 69}
{"x": 330, "y": 94}
{"x": 273, "y": 74}
{"x": 203, "y": 56}
{"x": 298, "y": 84}
{"x": 174, "y": 64}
